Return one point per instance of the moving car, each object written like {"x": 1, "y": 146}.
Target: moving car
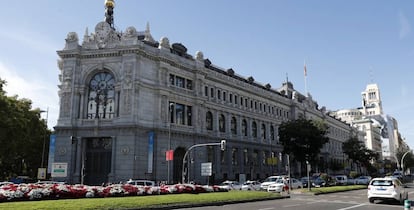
{"x": 251, "y": 185}
{"x": 388, "y": 188}
{"x": 230, "y": 185}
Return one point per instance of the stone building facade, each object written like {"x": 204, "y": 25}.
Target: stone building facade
{"x": 126, "y": 99}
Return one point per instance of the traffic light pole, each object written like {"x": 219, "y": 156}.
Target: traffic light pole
{"x": 222, "y": 144}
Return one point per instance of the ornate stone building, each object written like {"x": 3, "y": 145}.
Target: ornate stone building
{"x": 126, "y": 99}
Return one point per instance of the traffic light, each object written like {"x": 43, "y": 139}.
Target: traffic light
{"x": 223, "y": 145}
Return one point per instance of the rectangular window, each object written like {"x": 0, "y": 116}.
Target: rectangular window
{"x": 231, "y": 98}
{"x": 212, "y": 92}
{"x": 206, "y": 91}
{"x": 224, "y": 96}
{"x": 179, "y": 114}
{"x": 235, "y": 99}
{"x": 172, "y": 80}
{"x": 245, "y": 102}
{"x": 189, "y": 84}
{"x": 179, "y": 81}
{"x": 234, "y": 156}
{"x": 189, "y": 116}
{"x": 241, "y": 101}
{"x": 218, "y": 94}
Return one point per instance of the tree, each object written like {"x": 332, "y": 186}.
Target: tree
{"x": 303, "y": 139}
{"x": 22, "y": 133}
{"x": 358, "y": 152}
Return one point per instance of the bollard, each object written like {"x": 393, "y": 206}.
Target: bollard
{"x": 407, "y": 204}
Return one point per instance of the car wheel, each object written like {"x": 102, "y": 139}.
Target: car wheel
{"x": 371, "y": 200}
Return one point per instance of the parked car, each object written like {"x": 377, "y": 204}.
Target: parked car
{"x": 278, "y": 186}
{"x": 270, "y": 180}
{"x": 305, "y": 180}
{"x": 387, "y": 188}
{"x": 230, "y": 185}
{"x": 282, "y": 185}
{"x": 341, "y": 179}
{"x": 398, "y": 174}
{"x": 363, "y": 180}
{"x": 326, "y": 182}
{"x": 5, "y": 183}
{"x": 140, "y": 182}
{"x": 49, "y": 182}
{"x": 251, "y": 185}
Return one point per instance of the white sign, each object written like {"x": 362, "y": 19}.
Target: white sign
{"x": 59, "y": 169}
{"x": 206, "y": 169}
{"x": 41, "y": 173}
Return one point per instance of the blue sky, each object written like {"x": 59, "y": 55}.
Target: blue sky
{"x": 346, "y": 44}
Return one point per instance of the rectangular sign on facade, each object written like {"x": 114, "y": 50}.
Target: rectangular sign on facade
{"x": 150, "y": 151}
{"x": 59, "y": 169}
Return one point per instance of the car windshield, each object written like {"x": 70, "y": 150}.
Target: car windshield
{"x": 279, "y": 181}
{"x": 381, "y": 183}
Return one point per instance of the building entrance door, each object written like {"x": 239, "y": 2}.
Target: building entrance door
{"x": 98, "y": 156}
{"x": 178, "y": 164}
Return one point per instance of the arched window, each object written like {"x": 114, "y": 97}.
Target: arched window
{"x": 222, "y": 124}
{"x": 244, "y": 127}
{"x": 254, "y": 129}
{"x": 101, "y": 96}
{"x": 209, "y": 121}
{"x": 263, "y": 131}
{"x": 233, "y": 126}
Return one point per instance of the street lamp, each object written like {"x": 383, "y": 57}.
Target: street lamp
{"x": 170, "y": 111}
{"x": 402, "y": 161}
{"x": 44, "y": 137}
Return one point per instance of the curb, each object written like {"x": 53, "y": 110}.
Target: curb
{"x": 179, "y": 206}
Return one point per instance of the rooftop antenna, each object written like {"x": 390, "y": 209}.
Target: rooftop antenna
{"x": 371, "y": 74}
{"x": 109, "y": 12}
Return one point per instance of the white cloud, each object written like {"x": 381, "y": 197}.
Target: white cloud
{"x": 42, "y": 94}
{"x": 405, "y": 26}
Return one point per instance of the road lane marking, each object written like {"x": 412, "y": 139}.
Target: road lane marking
{"x": 266, "y": 209}
{"x": 293, "y": 205}
{"x": 352, "y": 207}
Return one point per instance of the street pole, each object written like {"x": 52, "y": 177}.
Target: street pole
{"x": 289, "y": 180}
{"x": 308, "y": 173}
{"x": 170, "y": 107}
{"x": 222, "y": 143}
{"x": 402, "y": 162}
{"x": 44, "y": 139}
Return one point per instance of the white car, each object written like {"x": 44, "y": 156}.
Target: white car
{"x": 230, "y": 185}
{"x": 388, "y": 188}
{"x": 141, "y": 182}
{"x": 251, "y": 185}
{"x": 282, "y": 185}
{"x": 270, "y": 180}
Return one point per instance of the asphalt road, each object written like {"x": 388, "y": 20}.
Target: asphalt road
{"x": 352, "y": 200}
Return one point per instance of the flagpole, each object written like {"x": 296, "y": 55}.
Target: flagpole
{"x": 305, "y": 75}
